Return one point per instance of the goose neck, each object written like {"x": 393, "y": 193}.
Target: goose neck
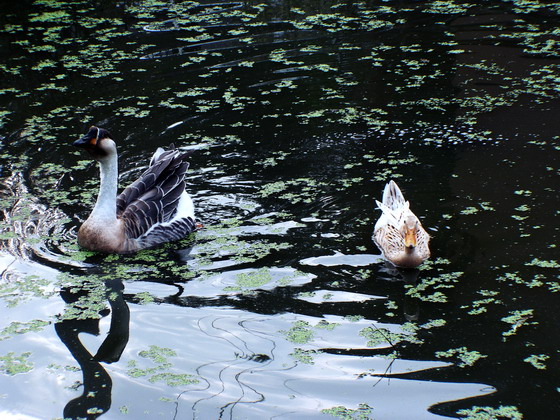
{"x": 106, "y": 205}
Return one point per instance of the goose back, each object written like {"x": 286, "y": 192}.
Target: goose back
{"x": 153, "y": 198}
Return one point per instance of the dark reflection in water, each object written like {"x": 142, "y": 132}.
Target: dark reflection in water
{"x": 411, "y": 304}
{"x": 97, "y": 384}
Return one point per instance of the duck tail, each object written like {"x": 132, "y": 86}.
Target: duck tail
{"x": 392, "y": 196}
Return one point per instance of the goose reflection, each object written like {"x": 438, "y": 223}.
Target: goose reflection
{"x": 97, "y": 384}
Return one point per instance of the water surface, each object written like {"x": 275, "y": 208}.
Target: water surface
{"x": 296, "y": 115}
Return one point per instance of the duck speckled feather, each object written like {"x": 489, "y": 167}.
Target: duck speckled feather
{"x": 398, "y": 233}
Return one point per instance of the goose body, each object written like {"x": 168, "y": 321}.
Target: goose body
{"x": 153, "y": 210}
{"x": 398, "y": 233}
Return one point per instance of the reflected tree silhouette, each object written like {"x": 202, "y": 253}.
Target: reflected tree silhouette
{"x": 97, "y": 384}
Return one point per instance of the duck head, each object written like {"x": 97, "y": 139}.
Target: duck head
{"x": 409, "y": 231}
{"x": 97, "y": 142}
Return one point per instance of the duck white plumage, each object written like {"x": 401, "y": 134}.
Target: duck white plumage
{"x": 398, "y": 233}
{"x": 153, "y": 210}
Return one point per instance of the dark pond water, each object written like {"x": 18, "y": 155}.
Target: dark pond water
{"x": 297, "y": 114}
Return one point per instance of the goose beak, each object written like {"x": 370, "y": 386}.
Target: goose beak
{"x": 90, "y": 139}
{"x": 85, "y": 141}
{"x": 410, "y": 238}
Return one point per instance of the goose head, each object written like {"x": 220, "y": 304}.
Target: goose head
{"x": 98, "y": 143}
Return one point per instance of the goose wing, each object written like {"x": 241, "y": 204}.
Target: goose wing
{"x": 167, "y": 232}
{"x": 153, "y": 198}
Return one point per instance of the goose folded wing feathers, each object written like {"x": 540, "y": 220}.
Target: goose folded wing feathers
{"x": 135, "y": 190}
{"x": 166, "y": 232}
{"x": 162, "y": 162}
{"x": 143, "y": 213}
{"x": 173, "y": 187}
{"x": 153, "y": 198}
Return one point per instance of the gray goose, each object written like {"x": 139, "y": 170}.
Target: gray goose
{"x": 153, "y": 210}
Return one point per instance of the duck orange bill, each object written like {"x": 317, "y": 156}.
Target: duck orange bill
{"x": 410, "y": 238}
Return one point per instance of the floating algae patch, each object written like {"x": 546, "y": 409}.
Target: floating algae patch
{"x": 160, "y": 371}
{"x": 405, "y": 333}
{"x": 537, "y": 280}
{"x": 224, "y": 245}
{"x": 87, "y": 297}
{"x": 252, "y": 279}
{"x": 537, "y": 360}
{"x": 11, "y": 364}
{"x": 174, "y": 379}
{"x": 490, "y": 413}
{"x": 22, "y": 289}
{"x": 325, "y": 325}
{"x": 517, "y": 319}
{"x": 306, "y": 190}
{"x": 18, "y": 328}
{"x": 363, "y": 412}
{"x": 301, "y": 332}
{"x": 299, "y": 190}
{"x": 465, "y": 357}
{"x": 536, "y": 262}
{"x": 382, "y": 337}
{"x": 144, "y": 298}
{"x": 304, "y": 356}
{"x": 428, "y": 289}
{"x": 304, "y": 332}
{"x": 267, "y": 278}
{"x": 245, "y": 281}
{"x": 480, "y": 306}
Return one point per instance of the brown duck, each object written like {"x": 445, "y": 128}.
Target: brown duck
{"x": 398, "y": 233}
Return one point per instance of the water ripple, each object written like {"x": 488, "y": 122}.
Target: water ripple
{"x": 31, "y": 230}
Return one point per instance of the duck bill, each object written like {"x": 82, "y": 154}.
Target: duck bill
{"x": 410, "y": 238}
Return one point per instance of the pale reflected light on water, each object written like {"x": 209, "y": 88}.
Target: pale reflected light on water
{"x": 296, "y": 114}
